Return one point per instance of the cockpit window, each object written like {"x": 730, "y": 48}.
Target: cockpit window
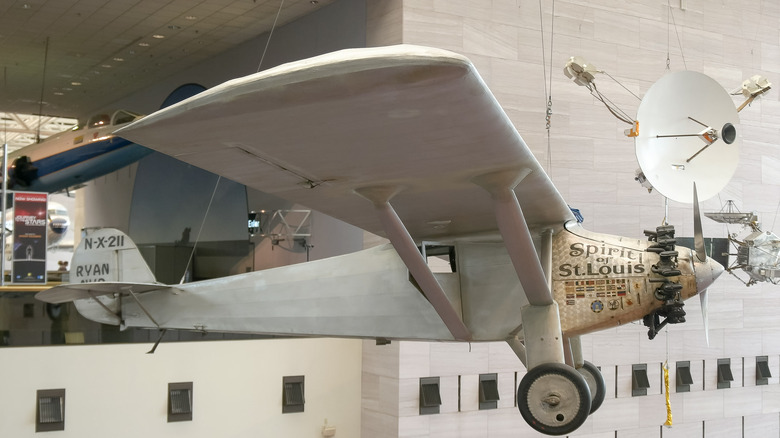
{"x": 122, "y": 117}
{"x": 99, "y": 120}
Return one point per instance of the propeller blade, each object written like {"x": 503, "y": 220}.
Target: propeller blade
{"x": 704, "y": 314}
{"x": 698, "y": 235}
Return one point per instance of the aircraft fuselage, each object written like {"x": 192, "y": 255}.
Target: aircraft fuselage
{"x": 75, "y": 156}
{"x": 598, "y": 281}
{"x": 601, "y": 281}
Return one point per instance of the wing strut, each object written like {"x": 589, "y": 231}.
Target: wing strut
{"x": 542, "y": 336}
{"x": 514, "y": 230}
{"x": 407, "y": 250}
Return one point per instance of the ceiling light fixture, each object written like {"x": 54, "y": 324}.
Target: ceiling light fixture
{"x": 173, "y": 27}
{"x": 190, "y": 17}
{"x": 119, "y": 59}
{"x": 106, "y": 65}
{"x": 142, "y": 44}
{"x": 158, "y": 36}
{"x": 75, "y": 84}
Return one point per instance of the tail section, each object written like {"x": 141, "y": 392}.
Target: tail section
{"x": 106, "y": 266}
{"x": 108, "y": 255}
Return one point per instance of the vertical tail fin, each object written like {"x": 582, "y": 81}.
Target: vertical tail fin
{"x": 106, "y": 265}
{"x": 108, "y": 255}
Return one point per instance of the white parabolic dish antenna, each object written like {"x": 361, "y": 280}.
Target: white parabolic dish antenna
{"x": 687, "y": 133}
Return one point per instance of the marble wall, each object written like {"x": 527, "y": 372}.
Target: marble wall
{"x": 520, "y": 51}
{"x": 117, "y": 390}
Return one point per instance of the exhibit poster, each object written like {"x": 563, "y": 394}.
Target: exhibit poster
{"x": 29, "y": 250}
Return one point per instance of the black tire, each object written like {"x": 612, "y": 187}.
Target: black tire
{"x": 554, "y": 399}
{"x": 595, "y": 381}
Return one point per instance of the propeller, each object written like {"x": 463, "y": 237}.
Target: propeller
{"x": 701, "y": 254}
{"x": 698, "y": 235}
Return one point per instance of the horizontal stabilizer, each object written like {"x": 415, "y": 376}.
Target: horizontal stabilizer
{"x": 72, "y": 292}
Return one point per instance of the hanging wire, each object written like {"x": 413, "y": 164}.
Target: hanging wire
{"x": 43, "y": 84}
{"x": 202, "y": 223}
{"x": 552, "y": 36}
{"x": 619, "y": 83}
{"x": 665, "y": 221}
{"x": 270, "y": 34}
{"x": 679, "y": 42}
{"x": 668, "y": 33}
{"x": 544, "y": 53}
{"x": 547, "y": 82}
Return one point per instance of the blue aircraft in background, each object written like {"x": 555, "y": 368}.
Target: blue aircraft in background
{"x": 74, "y": 157}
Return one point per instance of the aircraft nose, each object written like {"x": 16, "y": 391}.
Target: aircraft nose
{"x": 707, "y": 273}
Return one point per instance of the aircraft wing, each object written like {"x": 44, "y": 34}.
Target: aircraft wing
{"x": 314, "y": 131}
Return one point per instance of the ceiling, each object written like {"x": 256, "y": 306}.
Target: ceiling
{"x": 19, "y": 130}
{"x": 100, "y": 51}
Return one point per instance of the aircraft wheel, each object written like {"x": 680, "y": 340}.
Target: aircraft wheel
{"x": 595, "y": 382}
{"x": 554, "y": 399}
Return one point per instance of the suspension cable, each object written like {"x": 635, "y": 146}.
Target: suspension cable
{"x": 547, "y": 80}
{"x": 670, "y": 19}
{"x": 43, "y": 86}
{"x": 270, "y": 34}
{"x": 202, "y": 223}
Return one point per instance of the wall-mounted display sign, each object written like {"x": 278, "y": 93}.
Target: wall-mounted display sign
{"x": 29, "y": 250}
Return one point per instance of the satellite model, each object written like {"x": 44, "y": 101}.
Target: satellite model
{"x": 758, "y": 253}
{"x": 685, "y": 129}
{"x": 685, "y": 134}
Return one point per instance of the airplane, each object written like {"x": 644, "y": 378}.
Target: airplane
{"x": 86, "y": 152}
{"x": 409, "y": 143}
{"x": 74, "y": 157}
{"x": 57, "y": 224}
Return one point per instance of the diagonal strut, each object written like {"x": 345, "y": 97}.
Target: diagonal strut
{"x": 407, "y": 250}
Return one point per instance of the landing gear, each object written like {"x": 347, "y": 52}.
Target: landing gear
{"x": 668, "y": 290}
{"x": 554, "y": 399}
{"x": 595, "y": 381}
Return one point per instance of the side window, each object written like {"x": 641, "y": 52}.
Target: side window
{"x": 439, "y": 257}
{"x": 121, "y": 117}
{"x": 99, "y": 120}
